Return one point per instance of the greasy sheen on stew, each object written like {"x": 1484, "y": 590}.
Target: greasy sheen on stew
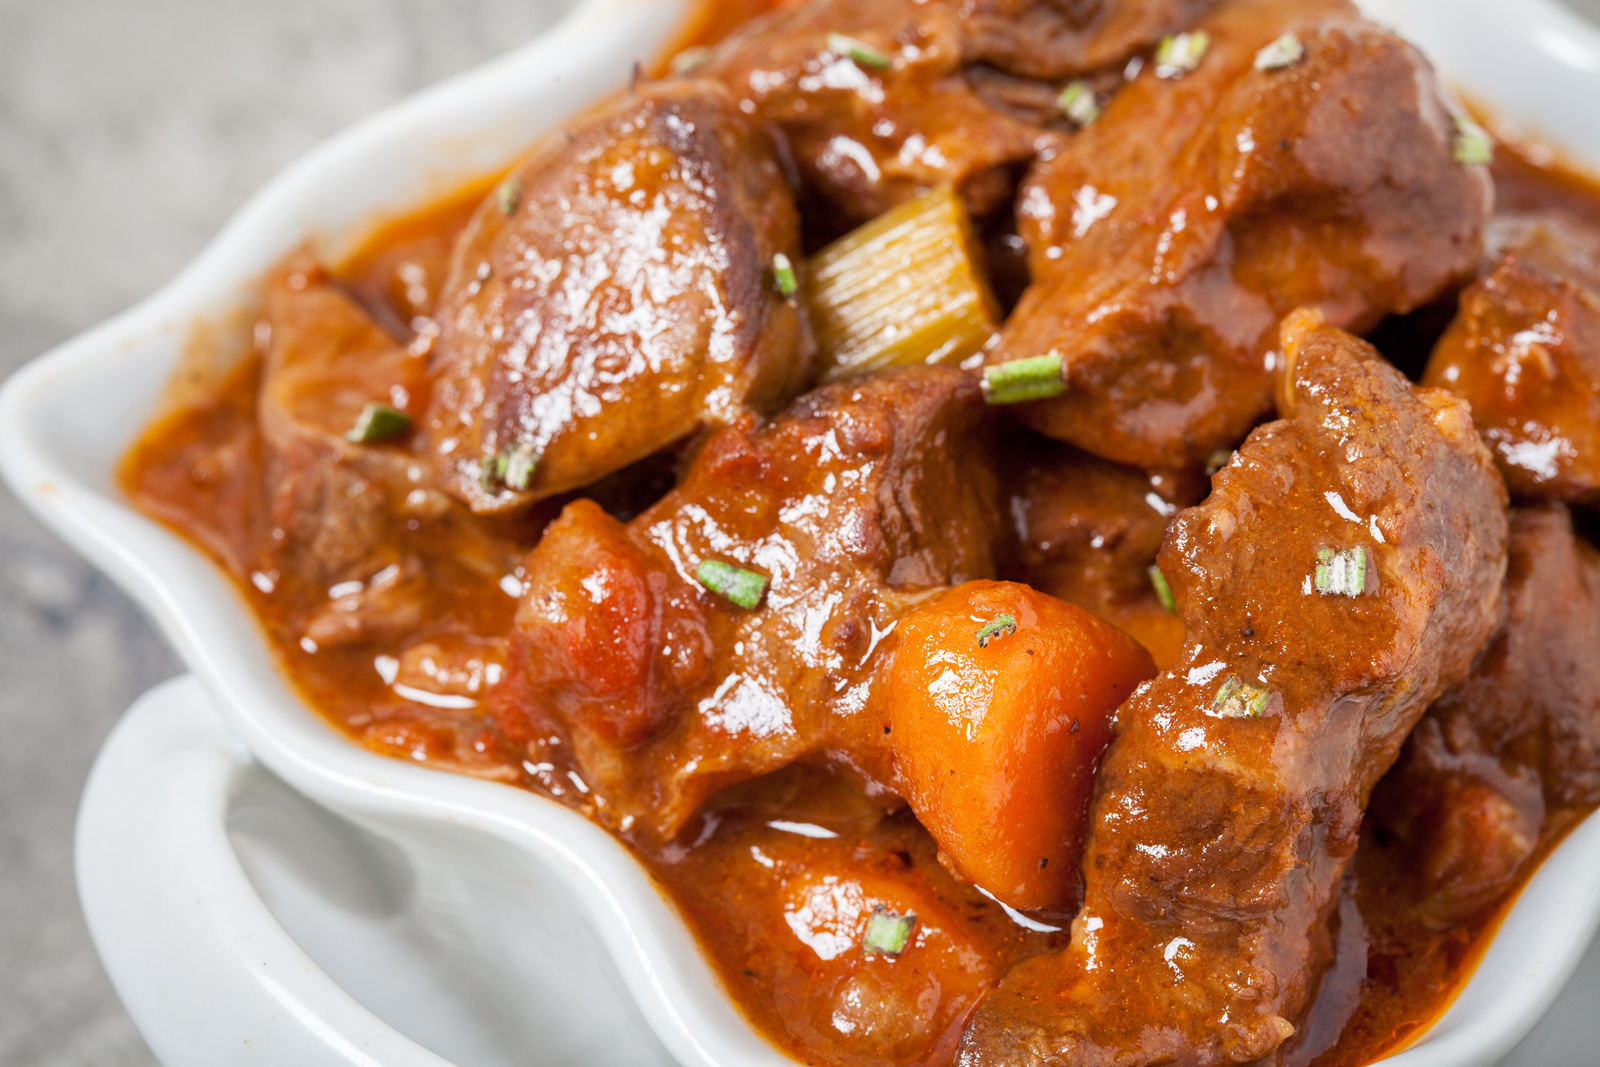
{"x": 1183, "y": 657}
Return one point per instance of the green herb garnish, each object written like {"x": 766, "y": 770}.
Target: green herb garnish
{"x": 1217, "y": 460}
{"x": 1239, "y": 700}
{"x": 1181, "y": 53}
{"x": 1163, "y": 590}
{"x": 509, "y": 196}
{"x": 742, "y": 587}
{"x": 691, "y": 59}
{"x": 492, "y": 473}
{"x": 998, "y": 626}
{"x": 783, "y": 276}
{"x": 1285, "y": 52}
{"x": 1079, "y": 103}
{"x": 1020, "y": 380}
{"x": 859, "y": 52}
{"x": 520, "y": 464}
{"x": 378, "y": 422}
{"x": 1471, "y": 143}
{"x": 1342, "y": 572}
{"x": 888, "y": 933}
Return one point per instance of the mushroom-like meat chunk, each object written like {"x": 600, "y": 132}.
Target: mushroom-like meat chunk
{"x": 613, "y": 296}
{"x": 736, "y": 626}
{"x": 1524, "y": 350}
{"x": 1345, "y": 571}
{"x": 344, "y": 487}
{"x": 1519, "y": 738}
{"x": 1169, "y": 238}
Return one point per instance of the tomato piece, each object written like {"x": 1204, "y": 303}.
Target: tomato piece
{"x": 1002, "y": 700}
{"x": 586, "y": 630}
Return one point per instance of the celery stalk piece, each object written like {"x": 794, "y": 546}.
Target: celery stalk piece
{"x": 904, "y": 288}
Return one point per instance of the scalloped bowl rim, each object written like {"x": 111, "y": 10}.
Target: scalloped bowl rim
{"x": 66, "y": 418}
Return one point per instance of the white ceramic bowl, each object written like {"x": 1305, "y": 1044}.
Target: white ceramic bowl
{"x": 66, "y": 418}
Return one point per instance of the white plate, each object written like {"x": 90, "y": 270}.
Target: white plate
{"x": 66, "y": 418}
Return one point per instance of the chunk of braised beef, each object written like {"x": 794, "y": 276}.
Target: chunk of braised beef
{"x": 1169, "y": 238}
{"x": 1088, "y": 531}
{"x": 1228, "y": 805}
{"x": 1519, "y": 737}
{"x": 871, "y": 131}
{"x": 940, "y": 91}
{"x": 341, "y": 514}
{"x": 613, "y": 297}
{"x": 850, "y": 506}
{"x": 1524, "y": 350}
{"x": 1058, "y": 39}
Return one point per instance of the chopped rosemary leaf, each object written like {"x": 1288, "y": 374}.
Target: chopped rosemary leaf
{"x": 742, "y": 587}
{"x": 1342, "y": 572}
{"x": 518, "y": 468}
{"x": 1239, "y": 700}
{"x": 1217, "y": 460}
{"x": 378, "y": 422}
{"x": 690, "y": 59}
{"x": 492, "y": 472}
{"x": 1181, "y": 53}
{"x": 509, "y": 196}
{"x": 998, "y": 626}
{"x": 859, "y": 52}
{"x": 888, "y": 933}
{"x": 1079, "y": 103}
{"x": 1163, "y": 590}
{"x": 1471, "y": 143}
{"x": 1021, "y": 380}
{"x": 783, "y": 276}
{"x": 1285, "y": 52}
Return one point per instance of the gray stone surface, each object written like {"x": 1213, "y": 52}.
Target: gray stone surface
{"x": 128, "y": 133}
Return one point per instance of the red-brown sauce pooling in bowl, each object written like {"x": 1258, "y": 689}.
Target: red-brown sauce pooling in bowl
{"x": 778, "y": 878}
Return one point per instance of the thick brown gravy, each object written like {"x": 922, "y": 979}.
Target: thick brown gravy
{"x": 772, "y": 875}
